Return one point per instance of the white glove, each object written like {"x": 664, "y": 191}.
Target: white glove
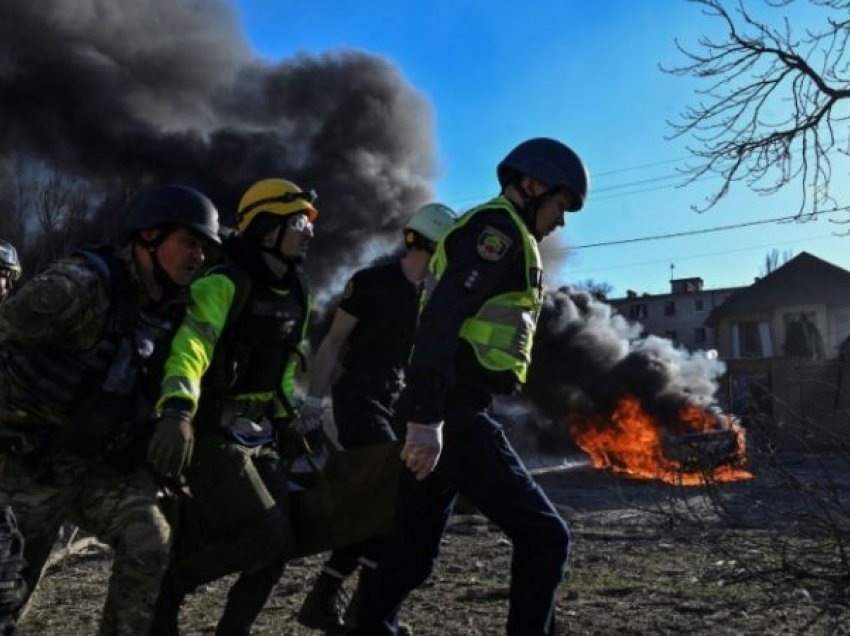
{"x": 422, "y": 447}
{"x": 310, "y": 416}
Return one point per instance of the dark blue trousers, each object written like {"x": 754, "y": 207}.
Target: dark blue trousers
{"x": 479, "y": 463}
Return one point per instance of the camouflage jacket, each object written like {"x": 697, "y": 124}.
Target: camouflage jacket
{"x": 65, "y": 306}
{"x": 63, "y": 313}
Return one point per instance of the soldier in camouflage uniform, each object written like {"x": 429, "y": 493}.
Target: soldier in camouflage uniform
{"x": 12, "y": 586}
{"x": 82, "y": 343}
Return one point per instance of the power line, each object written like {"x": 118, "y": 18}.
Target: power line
{"x": 597, "y": 175}
{"x": 641, "y": 166}
{"x": 609, "y": 189}
{"x": 619, "y": 186}
{"x": 708, "y": 230}
{"x": 690, "y": 257}
{"x": 629, "y": 184}
{"x": 619, "y": 195}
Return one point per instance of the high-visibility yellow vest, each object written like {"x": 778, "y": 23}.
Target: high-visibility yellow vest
{"x": 502, "y": 331}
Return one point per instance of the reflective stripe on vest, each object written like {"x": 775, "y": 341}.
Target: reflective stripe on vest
{"x": 502, "y": 331}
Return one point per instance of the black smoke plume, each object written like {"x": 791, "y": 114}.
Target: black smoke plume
{"x": 585, "y": 357}
{"x": 113, "y": 94}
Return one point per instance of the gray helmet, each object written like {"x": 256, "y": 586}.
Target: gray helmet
{"x": 9, "y": 259}
{"x": 171, "y": 205}
{"x": 432, "y": 220}
{"x": 551, "y": 163}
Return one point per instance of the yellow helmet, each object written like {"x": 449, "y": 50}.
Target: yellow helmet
{"x": 278, "y": 197}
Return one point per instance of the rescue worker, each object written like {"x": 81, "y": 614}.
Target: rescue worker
{"x": 83, "y": 343}
{"x": 473, "y": 341}
{"x": 228, "y": 386}
{"x": 10, "y": 268}
{"x": 371, "y": 335}
{"x": 12, "y": 585}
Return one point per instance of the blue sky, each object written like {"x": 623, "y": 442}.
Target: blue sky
{"x": 497, "y": 72}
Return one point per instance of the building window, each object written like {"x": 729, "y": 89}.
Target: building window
{"x": 750, "y": 339}
{"x": 637, "y": 311}
{"x": 670, "y": 334}
{"x": 699, "y": 304}
{"x": 699, "y": 335}
{"x": 670, "y": 308}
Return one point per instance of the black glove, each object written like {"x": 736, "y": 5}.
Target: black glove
{"x": 290, "y": 443}
{"x": 170, "y": 448}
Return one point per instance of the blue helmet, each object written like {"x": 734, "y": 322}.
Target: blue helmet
{"x": 551, "y": 163}
{"x": 171, "y": 205}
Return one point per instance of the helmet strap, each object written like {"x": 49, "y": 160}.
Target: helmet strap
{"x": 162, "y": 278}
{"x": 530, "y": 205}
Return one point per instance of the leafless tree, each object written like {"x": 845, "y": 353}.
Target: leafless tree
{"x": 597, "y": 289}
{"x": 47, "y": 213}
{"x": 12, "y": 222}
{"x": 15, "y": 200}
{"x": 773, "y": 260}
{"x": 774, "y": 111}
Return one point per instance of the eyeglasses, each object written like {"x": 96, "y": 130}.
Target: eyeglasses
{"x": 299, "y": 223}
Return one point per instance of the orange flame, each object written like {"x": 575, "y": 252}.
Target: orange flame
{"x": 631, "y": 444}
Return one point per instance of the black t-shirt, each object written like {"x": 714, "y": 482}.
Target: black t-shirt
{"x": 386, "y": 305}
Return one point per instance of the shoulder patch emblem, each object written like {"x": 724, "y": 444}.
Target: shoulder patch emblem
{"x": 493, "y": 244}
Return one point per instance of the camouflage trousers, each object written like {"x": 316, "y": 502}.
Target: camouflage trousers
{"x": 119, "y": 508}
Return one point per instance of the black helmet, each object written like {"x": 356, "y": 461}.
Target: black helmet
{"x": 551, "y": 163}
{"x": 9, "y": 259}
{"x": 171, "y": 205}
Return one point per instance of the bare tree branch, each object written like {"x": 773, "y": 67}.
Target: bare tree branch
{"x": 775, "y": 111}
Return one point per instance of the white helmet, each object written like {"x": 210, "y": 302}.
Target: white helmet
{"x": 432, "y": 220}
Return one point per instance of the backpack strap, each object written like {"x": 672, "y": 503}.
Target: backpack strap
{"x": 115, "y": 276}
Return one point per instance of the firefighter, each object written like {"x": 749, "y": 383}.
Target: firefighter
{"x": 10, "y": 268}
{"x": 473, "y": 341}
{"x": 228, "y": 391}
{"x": 83, "y": 343}
{"x": 371, "y": 335}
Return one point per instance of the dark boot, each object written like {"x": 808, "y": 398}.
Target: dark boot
{"x": 350, "y": 616}
{"x": 321, "y": 607}
{"x": 247, "y": 598}
{"x": 166, "y": 611}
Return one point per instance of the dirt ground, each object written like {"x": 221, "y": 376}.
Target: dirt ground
{"x": 647, "y": 559}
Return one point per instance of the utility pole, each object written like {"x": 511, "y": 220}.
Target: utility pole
{"x": 672, "y": 267}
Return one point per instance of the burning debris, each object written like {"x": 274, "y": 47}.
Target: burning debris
{"x": 631, "y": 442}
{"x": 638, "y": 406}
{"x": 115, "y": 94}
